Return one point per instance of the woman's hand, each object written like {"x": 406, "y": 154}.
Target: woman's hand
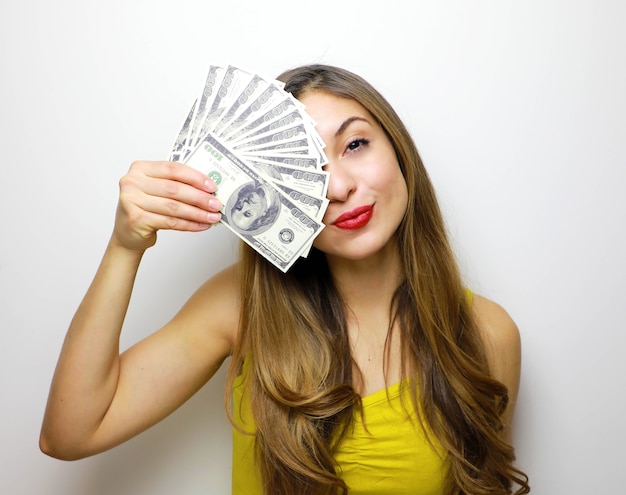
{"x": 157, "y": 195}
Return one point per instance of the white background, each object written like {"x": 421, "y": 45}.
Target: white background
{"x": 518, "y": 109}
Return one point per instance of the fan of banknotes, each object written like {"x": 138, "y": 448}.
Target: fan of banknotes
{"x": 259, "y": 145}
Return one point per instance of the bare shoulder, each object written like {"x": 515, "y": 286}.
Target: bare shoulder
{"x": 499, "y": 332}
{"x": 501, "y": 339}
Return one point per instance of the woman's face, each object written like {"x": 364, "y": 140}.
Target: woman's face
{"x": 367, "y": 191}
{"x": 247, "y": 209}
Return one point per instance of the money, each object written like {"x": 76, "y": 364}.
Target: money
{"x": 179, "y": 144}
{"x": 297, "y": 161}
{"x": 311, "y": 182}
{"x": 207, "y": 95}
{"x": 260, "y": 214}
{"x": 268, "y": 99}
{"x": 259, "y": 145}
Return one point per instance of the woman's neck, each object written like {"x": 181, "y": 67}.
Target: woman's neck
{"x": 368, "y": 283}
{"x": 367, "y": 288}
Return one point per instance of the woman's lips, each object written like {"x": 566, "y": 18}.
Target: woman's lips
{"x": 355, "y": 219}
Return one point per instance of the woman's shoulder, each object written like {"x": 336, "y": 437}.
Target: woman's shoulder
{"x": 497, "y": 328}
{"x": 501, "y": 340}
{"x": 502, "y": 343}
{"x": 227, "y": 279}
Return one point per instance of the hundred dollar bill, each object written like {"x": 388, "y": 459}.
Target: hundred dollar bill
{"x": 229, "y": 89}
{"x": 311, "y": 182}
{"x": 255, "y": 86}
{"x": 314, "y": 207}
{"x": 179, "y": 143}
{"x": 259, "y": 119}
{"x": 296, "y": 161}
{"x": 288, "y": 145}
{"x": 298, "y": 133}
{"x": 254, "y": 209}
{"x": 214, "y": 75}
{"x": 287, "y": 120}
{"x": 287, "y": 141}
{"x": 208, "y": 93}
{"x": 270, "y": 97}
{"x": 319, "y": 145}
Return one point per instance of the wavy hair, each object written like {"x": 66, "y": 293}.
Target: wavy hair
{"x": 293, "y": 332}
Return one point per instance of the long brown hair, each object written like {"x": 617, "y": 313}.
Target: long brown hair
{"x": 293, "y": 332}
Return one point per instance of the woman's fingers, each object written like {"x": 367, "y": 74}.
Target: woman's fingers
{"x": 176, "y": 172}
{"x": 163, "y": 195}
{"x": 164, "y": 212}
{"x": 179, "y": 192}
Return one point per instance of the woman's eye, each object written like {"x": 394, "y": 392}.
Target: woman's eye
{"x": 357, "y": 143}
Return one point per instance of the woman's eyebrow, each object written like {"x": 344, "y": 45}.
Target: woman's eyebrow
{"x": 347, "y": 122}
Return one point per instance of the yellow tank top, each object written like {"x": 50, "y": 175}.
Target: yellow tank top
{"x": 393, "y": 457}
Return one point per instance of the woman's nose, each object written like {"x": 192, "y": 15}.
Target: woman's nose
{"x": 341, "y": 182}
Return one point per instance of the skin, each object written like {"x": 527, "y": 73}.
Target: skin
{"x": 99, "y": 398}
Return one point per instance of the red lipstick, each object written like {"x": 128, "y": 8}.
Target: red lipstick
{"x": 355, "y": 219}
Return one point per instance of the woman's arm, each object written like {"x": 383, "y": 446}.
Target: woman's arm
{"x": 99, "y": 398}
{"x": 503, "y": 346}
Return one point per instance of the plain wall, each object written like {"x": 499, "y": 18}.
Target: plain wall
{"x": 518, "y": 109}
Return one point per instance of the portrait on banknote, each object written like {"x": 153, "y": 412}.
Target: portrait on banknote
{"x": 253, "y": 208}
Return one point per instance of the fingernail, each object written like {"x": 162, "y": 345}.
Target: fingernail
{"x": 214, "y": 217}
{"x": 209, "y": 186}
{"x": 215, "y": 204}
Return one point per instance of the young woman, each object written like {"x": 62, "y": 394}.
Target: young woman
{"x": 367, "y": 368}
